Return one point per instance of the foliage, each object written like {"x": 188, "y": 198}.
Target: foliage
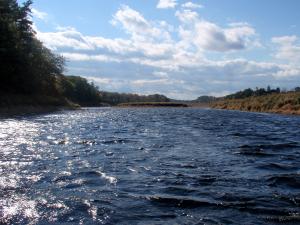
{"x": 27, "y": 67}
{"x": 205, "y": 99}
{"x": 249, "y": 92}
{"x": 153, "y": 104}
{"x": 79, "y": 90}
{"x": 113, "y": 98}
{"x": 30, "y": 73}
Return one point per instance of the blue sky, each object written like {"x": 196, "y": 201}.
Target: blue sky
{"x": 179, "y": 48}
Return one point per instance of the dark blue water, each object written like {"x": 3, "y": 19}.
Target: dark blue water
{"x": 150, "y": 166}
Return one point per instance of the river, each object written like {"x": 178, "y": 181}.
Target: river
{"x": 150, "y": 166}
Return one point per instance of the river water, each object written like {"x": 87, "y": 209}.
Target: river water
{"x": 150, "y": 166}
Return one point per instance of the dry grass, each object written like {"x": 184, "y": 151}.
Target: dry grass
{"x": 286, "y": 103}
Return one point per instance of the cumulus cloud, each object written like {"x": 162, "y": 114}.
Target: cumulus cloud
{"x": 191, "y": 5}
{"x": 64, "y": 38}
{"x": 288, "y": 48}
{"x": 133, "y": 22}
{"x": 187, "y": 16}
{"x": 160, "y": 58}
{"x": 164, "y": 4}
{"x": 285, "y": 40}
{"x": 207, "y": 77}
{"x": 239, "y": 24}
{"x": 137, "y": 26}
{"x": 212, "y": 37}
{"x": 39, "y": 14}
{"x": 87, "y": 57}
{"x": 160, "y": 74}
{"x": 209, "y": 36}
{"x": 99, "y": 80}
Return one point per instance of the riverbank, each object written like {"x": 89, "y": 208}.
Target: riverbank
{"x": 283, "y": 103}
{"x": 153, "y": 104}
{"x": 14, "y": 105}
{"x": 28, "y": 110}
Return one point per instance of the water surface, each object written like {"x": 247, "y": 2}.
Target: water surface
{"x": 150, "y": 166}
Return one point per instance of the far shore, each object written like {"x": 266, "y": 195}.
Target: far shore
{"x": 280, "y": 103}
{"x": 22, "y": 110}
{"x": 153, "y": 104}
{"x": 281, "y": 112}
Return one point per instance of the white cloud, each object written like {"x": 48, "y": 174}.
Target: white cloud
{"x": 132, "y": 21}
{"x": 137, "y": 26}
{"x": 239, "y": 24}
{"x": 39, "y": 14}
{"x": 191, "y": 5}
{"x": 71, "y": 39}
{"x": 117, "y": 46}
{"x": 187, "y": 16}
{"x": 99, "y": 80}
{"x": 64, "y": 38}
{"x": 288, "y": 48}
{"x": 208, "y": 36}
{"x": 87, "y": 57}
{"x": 285, "y": 40}
{"x": 211, "y": 37}
{"x": 160, "y": 74}
{"x": 164, "y": 4}
{"x": 288, "y": 72}
{"x": 160, "y": 58}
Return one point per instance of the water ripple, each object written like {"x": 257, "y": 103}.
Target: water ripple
{"x": 150, "y": 166}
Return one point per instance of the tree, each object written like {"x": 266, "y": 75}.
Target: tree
{"x": 27, "y": 67}
{"x": 278, "y": 90}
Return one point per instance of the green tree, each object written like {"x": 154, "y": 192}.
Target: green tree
{"x": 27, "y": 67}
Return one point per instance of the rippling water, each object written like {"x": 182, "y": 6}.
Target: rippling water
{"x": 150, "y": 166}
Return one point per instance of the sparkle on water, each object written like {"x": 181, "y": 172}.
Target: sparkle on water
{"x": 150, "y": 166}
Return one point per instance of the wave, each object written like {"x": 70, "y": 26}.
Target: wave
{"x": 180, "y": 201}
{"x": 290, "y": 180}
{"x": 277, "y": 166}
{"x": 266, "y": 149}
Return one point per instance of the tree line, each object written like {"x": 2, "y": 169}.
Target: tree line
{"x": 258, "y": 92}
{"x": 27, "y": 66}
{"x": 28, "y": 69}
{"x": 250, "y": 92}
{"x": 79, "y": 90}
{"x": 246, "y": 93}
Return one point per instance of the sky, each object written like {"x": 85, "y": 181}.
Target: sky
{"x": 180, "y": 48}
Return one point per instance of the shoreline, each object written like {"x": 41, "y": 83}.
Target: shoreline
{"x": 18, "y": 105}
{"x": 153, "y": 105}
{"x": 279, "y": 103}
{"x": 32, "y": 110}
{"x": 12, "y": 111}
{"x": 287, "y": 113}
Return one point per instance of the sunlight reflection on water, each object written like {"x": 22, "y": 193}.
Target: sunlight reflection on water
{"x": 172, "y": 166}
{"x": 17, "y": 152}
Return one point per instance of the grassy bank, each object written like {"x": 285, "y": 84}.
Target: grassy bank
{"x": 285, "y": 103}
{"x": 153, "y": 104}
